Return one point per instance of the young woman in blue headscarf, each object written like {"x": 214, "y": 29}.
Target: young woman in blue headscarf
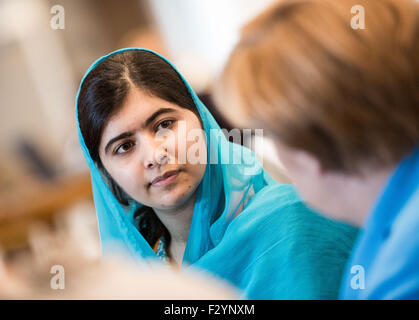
{"x": 223, "y": 213}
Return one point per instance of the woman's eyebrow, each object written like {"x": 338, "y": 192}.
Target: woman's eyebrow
{"x": 156, "y": 114}
{"x": 146, "y": 123}
{"x": 118, "y": 137}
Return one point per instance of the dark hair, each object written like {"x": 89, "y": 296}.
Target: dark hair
{"x": 102, "y": 95}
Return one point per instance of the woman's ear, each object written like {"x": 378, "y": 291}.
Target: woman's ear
{"x": 299, "y": 165}
{"x": 308, "y": 164}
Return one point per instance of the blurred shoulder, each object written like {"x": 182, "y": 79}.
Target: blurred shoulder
{"x": 278, "y": 213}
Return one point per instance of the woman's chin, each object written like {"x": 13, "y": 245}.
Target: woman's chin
{"x": 173, "y": 199}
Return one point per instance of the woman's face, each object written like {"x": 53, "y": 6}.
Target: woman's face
{"x": 146, "y": 159}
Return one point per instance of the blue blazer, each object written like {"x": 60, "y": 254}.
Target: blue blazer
{"x": 385, "y": 262}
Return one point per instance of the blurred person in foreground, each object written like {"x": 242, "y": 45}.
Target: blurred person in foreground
{"x": 60, "y": 265}
{"x": 169, "y": 187}
{"x": 342, "y": 106}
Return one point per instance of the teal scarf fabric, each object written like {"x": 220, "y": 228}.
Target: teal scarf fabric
{"x": 275, "y": 248}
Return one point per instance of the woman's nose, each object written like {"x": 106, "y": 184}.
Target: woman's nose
{"x": 154, "y": 154}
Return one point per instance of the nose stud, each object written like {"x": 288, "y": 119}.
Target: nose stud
{"x": 163, "y": 159}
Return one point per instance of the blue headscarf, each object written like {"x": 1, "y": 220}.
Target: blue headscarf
{"x": 275, "y": 248}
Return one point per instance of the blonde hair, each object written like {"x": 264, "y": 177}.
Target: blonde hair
{"x": 350, "y": 97}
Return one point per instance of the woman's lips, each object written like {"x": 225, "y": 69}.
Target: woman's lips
{"x": 165, "y": 179}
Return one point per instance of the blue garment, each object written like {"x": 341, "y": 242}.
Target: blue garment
{"x": 275, "y": 248}
{"x": 388, "y": 246}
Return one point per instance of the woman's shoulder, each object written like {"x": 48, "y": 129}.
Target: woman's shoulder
{"x": 277, "y": 203}
{"x": 277, "y": 213}
{"x": 281, "y": 245}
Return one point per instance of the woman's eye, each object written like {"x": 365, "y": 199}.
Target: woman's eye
{"x": 123, "y": 148}
{"x": 164, "y": 124}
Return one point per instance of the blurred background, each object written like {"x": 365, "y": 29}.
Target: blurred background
{"x": 45, "y": 48}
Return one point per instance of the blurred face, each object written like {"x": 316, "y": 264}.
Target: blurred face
{"x": 141, "y": 145}
{"x": 322, "y": 190}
